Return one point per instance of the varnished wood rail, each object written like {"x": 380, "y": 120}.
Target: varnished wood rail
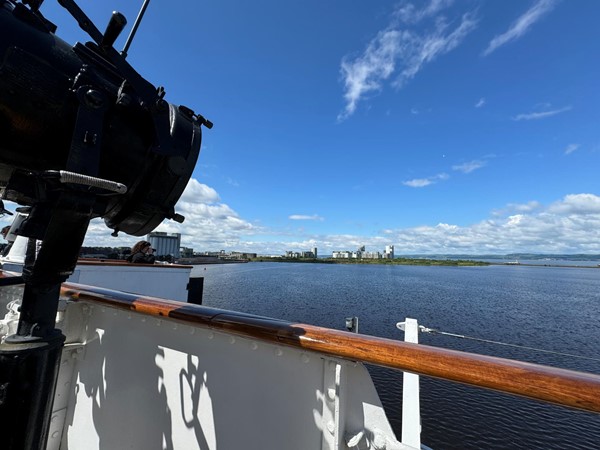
{"x": 560, "y": 386}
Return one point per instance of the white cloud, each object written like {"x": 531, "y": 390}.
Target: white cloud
{"x": 209, "y": 223}
{"x": 541, "y": 114}
{"x": 423, "y": 49}
{"x": 480, "y": 103}
{"x": 521, "y": 25}
{"x": 568, "y": 225}
{"x": 196, "y": 192}
{"x": 469, "y": 167}
{"x": 518, "y": 208}
{"x": 578, "y": 204}
{"x": 408, "y": 13}
{"x": 305, "y": 217}
{"x": 571, "y": 148}
{"x": 400, "y": 50}
{"x": 233, "y": 182}
{"x": 422, "y": 182}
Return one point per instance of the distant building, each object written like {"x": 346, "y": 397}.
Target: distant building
{"x": 243, "y": 255}
{"x": 361, "y": 253}
{"x": 186, "y": 252}
{"x": 342, "y": 254}
{"x": 165, "y": 244}
{"x": 389, "y": 252}
{"x": 307, "y": 254}
{"x": 222, "y": 254}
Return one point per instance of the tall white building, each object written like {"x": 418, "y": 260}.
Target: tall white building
{"x": 389, "y": 252}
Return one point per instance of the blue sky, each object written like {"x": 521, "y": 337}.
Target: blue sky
{"x": 438, "y": 126}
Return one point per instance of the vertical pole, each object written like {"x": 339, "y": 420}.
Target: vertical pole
{"x": 352, "y": 324}
{"x": 411, "y": 407}
{"x": 195, "y": 289}
{"x": 30, "y": 359}
{"x": 28, "y": 374}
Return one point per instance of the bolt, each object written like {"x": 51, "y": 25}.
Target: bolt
{"x": 94, "y": 99}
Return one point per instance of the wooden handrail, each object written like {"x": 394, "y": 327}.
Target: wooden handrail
{"x": 560, "y": 386}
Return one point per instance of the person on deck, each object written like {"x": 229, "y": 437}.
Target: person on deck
{"x": 142, "y": 253}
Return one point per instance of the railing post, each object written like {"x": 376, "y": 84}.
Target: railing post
{"x": 411, "y": 405}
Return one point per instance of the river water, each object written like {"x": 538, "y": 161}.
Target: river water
{"x": 555, "y": 309}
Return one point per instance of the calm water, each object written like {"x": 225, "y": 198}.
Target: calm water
{"x": 555, "y": 309}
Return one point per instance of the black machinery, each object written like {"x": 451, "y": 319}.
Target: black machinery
{"x": 82, "y": 135}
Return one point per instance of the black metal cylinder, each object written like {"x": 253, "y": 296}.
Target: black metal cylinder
{"x": 28, "y": 374}
{"x": 147, "y": 144}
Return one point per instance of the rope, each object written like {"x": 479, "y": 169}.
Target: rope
{"x": 487, "y": 341}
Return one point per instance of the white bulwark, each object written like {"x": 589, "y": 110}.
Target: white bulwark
{"x": 165, "y": 243}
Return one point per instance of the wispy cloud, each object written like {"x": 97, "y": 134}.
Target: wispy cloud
{"x": 232, "y": 182}
{"x": 480, "y": 103}
{"x": 422, "y": 182}
{"x": 305, "y": 217}
{"x": 518, "y": 208}
{"x": 571, "y": 148}
{"x": 519, "y": 27}
{"x": 400, "y": 51}
{"x": 541, "y": 114}
{"x": 408, "y": 13}
{"x": 469, "y": 167}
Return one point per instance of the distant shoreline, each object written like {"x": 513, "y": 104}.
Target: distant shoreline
{"x": 546, "y": 265}
{"x": 391, "y": 262}
{"x": 415, "y": 262}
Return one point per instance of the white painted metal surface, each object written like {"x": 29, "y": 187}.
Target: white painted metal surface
{"x": 168, "y": 282}
{"x": 411, "y": 407}
{"x": 133, "y": 381}
{"x": 162, "y": 281}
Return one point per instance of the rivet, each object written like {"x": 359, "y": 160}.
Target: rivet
{"x": 305, "y": 358}
{"x": 211, "y": 335}
{"x": 253, "y": 345}
{"x": 278, "y": 352}
{"x": 231, "y": 340}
